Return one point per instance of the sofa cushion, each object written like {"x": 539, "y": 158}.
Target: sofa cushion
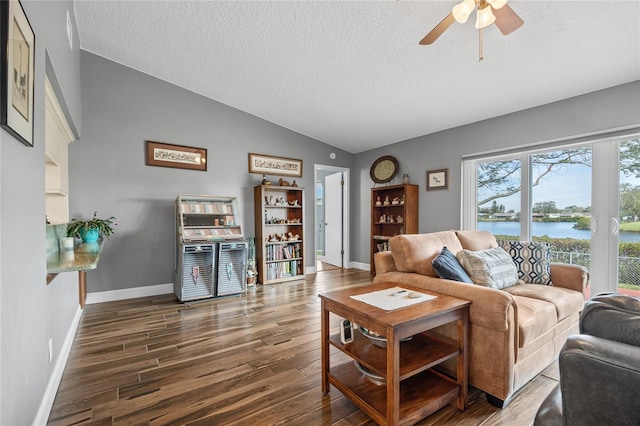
{"x": 491, "y": 268}
{"x": 415, "y": 252}
{"x": 535, "y": 318}
{"x": 447, "y": 266}
{"x": 567, "y": 302}
{"x": 476, "y": 240}
{"x": 531, "y": 258}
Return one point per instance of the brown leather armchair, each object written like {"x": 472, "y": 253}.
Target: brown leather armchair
{"x": 599, "y": 368}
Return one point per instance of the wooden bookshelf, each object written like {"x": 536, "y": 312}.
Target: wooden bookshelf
{"x": 279, "y": 227}
{"x": 394, "y": 211}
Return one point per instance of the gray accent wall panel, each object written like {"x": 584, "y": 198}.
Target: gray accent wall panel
{"x": 595, "y": 112}
{"x": 121, "y": 109}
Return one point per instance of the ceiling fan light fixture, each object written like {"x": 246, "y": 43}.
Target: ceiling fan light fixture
{"x": 462, "y": 11}
{"x": 485, "y": 17}
{"x": 497, "y": 4}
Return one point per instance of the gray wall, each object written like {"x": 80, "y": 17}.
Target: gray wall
{"x": 595, "y": 112}
{"x": 121, "y": 109}
{"x": 30, "y": 311}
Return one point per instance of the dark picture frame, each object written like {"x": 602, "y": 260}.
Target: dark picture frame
{"x": 175, "y": 156}
{"x": 270, "y": 165}
{"x": 17, "y": 71}
{"x": 437, "y": 179}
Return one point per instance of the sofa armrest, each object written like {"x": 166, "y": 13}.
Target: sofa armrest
{"x": 600, "y": 381}
{"x": 491, "y": 308}
{"x": 384, "y": 262}
{"x": 573, "y": 277}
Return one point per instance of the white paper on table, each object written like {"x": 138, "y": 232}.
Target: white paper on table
{"x": 390, "y": 298}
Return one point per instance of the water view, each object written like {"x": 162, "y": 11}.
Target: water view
{"x": 551, "y": 229}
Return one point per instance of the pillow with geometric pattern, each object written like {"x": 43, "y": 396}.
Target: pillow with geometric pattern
{"x": 532, "y": 260}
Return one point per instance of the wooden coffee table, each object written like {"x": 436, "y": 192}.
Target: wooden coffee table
{"x": 413, "y": 388}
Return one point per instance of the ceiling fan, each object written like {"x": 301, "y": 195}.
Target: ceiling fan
{"x": 489, "y": 12}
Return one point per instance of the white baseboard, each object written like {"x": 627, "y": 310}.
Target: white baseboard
{"x": 354, "y": 265}
{"x": 56, "y": 375}
{"x": 128, "y": 293}
{"x": 360, "y": 265}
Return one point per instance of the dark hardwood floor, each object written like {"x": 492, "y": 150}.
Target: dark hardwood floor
{"x": 252, "y": 359}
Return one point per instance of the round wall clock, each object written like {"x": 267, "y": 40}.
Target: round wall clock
{"x": 384, "y": 169}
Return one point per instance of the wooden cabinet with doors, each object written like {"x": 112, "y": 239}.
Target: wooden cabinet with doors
{"x": 394, "y": 211}
{"x": 279, "y": 227}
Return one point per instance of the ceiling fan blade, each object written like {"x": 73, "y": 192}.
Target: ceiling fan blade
{"x": 507, "y": 20}
{"x": 438, "y": 30}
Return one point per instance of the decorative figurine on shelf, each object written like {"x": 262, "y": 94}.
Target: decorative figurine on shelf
{"x": 265, "y": 181}
{"x": 294, "y": 184}
{"x": 383, "y": 219}
{"x": 386, "y": 201}
{"x": 395, "y": 201}
{"x": 402, "y": 199}
{"x": 390, "y": 220}
{"x": 378, "y": 202}
{"x": 283, "y": 182}
{"x": 294, "y": 203}
{"x": 400, "y": 219}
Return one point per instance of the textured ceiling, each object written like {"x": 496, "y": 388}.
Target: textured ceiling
{"x": 352, "y": 74}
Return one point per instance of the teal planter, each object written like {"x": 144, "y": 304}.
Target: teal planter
{"x": 90, "y": 235}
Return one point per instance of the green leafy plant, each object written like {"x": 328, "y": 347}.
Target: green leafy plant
{"x": 104, "y": 226}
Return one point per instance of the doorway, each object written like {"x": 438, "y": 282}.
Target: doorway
{"x": 331, "y": 217}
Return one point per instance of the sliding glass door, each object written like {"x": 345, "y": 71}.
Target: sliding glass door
{"x": 628, "y": 247}
{"x": 584, "y": 200}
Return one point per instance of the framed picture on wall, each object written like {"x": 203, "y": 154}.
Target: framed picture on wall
{"x": 269, "y": 165}
{"x": 437, "y": 179}
{"x": 16, "y": 71}
{"x": 176, "y": 156}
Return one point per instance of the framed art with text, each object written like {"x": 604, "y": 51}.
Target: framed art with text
{"x": 176, "y": 156}
{"x": 16, "y": 71}
{"x": 437, "y": 179}
{"x": 269, "y": 165}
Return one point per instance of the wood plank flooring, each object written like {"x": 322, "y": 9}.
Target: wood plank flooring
{"x": 252, "y": 359}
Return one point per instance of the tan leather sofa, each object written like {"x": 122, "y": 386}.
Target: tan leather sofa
{"x": 514, "y": 333}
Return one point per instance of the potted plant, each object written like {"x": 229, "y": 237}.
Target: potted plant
{"x": 91, "y": 229}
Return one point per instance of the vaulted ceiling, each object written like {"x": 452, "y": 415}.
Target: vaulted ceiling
{"x": 352, "y": 74}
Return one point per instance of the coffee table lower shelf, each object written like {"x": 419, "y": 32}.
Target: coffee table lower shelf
{"x": 420, "y": 395}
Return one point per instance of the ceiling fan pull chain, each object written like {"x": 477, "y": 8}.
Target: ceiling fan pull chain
{"x": 480, "y": 54}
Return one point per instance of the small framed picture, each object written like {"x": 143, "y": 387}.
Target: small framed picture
{"x": 437, "y": 179}
{"x": 16, "y": 71}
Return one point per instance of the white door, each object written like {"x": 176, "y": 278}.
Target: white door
{"x": 333, "y": 228}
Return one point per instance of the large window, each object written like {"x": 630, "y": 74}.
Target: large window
{"x": 584, "y": 200}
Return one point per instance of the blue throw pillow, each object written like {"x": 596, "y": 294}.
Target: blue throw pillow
{"x": 448, "y": 267}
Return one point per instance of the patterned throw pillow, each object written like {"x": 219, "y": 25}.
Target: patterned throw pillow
{"x": 532, "y": 260}
{"x": 491, "y": 268}
{"x": 447, "y": 266}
